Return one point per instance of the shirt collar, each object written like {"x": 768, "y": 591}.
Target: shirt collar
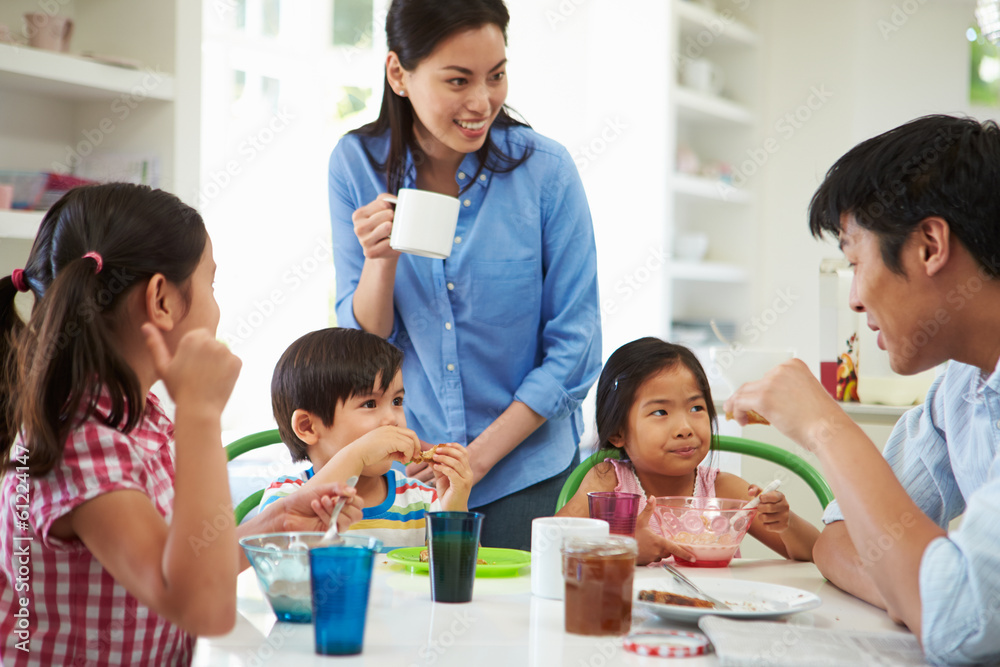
{"x": 469, "y": 166}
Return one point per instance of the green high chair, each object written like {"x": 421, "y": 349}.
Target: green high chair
{"x": 242, "y": 446}
{"x": 723, "y": 443}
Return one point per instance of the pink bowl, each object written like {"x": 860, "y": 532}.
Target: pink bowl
{"x": 704, "y": 526}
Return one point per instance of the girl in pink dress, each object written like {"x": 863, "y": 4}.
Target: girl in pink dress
{"x": 654, "y": 404}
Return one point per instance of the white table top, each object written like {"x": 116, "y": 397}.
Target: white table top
{"x": 503, "y": 625}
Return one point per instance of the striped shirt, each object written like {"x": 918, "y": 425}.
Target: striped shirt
{"x": 946, "y": 454}
{"x": 398, "y": 521}
{"x": 58, "y": 605}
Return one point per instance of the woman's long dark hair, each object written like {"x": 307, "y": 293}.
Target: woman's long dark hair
{"x": 413, "y": 30}
{"x": 625, "y": 371}
{"x": 55, "y": 367}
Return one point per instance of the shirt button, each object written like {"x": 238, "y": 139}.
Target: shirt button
{"x": 467, "y": 203}
{"x": 458, "y": 239}
{"x": 451, "y": 367}
{"x": 451, "y": 286}
{"x": 447, "y": 325}
{"x": 461, "y": 175}
{"x": 482, "y": 177}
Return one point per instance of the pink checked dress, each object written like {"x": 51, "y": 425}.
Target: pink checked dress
{"x": 628, "y": 482}
{"x": 58, "y": 605}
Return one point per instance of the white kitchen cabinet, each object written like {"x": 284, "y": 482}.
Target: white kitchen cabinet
{"x": 56, "y": 108}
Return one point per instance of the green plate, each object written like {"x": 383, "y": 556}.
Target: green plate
{"x": 499, "y": 562}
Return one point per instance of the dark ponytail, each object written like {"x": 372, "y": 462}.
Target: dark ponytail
{"x": 67, "y": 356}
{"x": 413, "y": 30}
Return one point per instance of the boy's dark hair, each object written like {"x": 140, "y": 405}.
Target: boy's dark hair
{"x": 413, "y": 29}
{"x": 323, "y": 368}
{"x": 626, "y": 369}
{"x": 54, "y": 369}
{"x": 933, "y": 166}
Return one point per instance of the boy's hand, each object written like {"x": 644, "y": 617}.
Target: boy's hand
{"x": 309, "y": 508}
{"x": 386, "y": 442}
{"x": 773, "y": 510}
{"x": 201, "y": 372}
{"x": 653, "y": 547}
{"x": 452, "y": 476}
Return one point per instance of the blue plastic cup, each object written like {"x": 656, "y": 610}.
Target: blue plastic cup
{"x": 454, "y": 547}
{"x": 341, "y": 578}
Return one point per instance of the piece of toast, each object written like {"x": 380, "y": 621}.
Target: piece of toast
{"x": 425, "y": 456}
{"x": 752, "y": 418}
{"x": 663, "y": 597}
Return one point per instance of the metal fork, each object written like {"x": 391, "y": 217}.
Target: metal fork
{"x": 719, "y": 604}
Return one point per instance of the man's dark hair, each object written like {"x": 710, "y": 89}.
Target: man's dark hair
{"x": 324, "y": 368}
{"x": 941, "y": 166}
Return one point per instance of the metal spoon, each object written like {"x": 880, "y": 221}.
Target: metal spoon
{"x": 331, "y": 536}
{"x": 719, "y": 604}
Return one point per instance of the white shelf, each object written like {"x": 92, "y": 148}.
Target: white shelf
{"x": 695, "y": 106}
{"x": 20, "y": 224}
{"x": 711, "y": 272}
{"x": 723, "y": 28}
{"x": 71, "y": 77}
{"x": 708, "y": 188}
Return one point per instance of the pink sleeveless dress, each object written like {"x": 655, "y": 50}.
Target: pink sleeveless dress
{"x": 628, "y": 482}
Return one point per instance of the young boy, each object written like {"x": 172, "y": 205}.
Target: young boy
{"x": 916, "y": 211}
{"x": 337, "y": 395}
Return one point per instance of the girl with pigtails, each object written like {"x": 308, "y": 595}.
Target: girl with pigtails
{"x": 103, "y": 556}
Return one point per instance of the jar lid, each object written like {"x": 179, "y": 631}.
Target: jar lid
{"x": 668, "y": 643}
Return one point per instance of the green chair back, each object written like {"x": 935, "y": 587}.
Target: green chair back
{"x": 724, "y": 443}
{"x": 242, "y": 446}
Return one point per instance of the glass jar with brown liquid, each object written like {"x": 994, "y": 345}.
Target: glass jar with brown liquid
{"x": 598, "y": 574}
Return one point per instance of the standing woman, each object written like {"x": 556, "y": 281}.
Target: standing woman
{"x": 501, "y": 340}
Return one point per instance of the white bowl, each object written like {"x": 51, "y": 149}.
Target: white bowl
{"x": 691, "y": 247}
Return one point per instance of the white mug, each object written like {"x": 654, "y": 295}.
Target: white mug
{"x": 424, "y": 223}
{"x": 547, "y": 535}
{"x": 702, "y": 75}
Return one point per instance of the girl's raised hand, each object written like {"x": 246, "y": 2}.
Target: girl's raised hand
{"x": 773, "y": 509}
{"x": 372, "y": 226}
{"x": 201, "y": 372}
{"x": 653, "y": 547}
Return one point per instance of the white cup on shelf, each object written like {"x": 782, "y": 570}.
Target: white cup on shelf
{"x": 702, "y": 75}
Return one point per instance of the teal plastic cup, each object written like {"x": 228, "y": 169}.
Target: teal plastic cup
{"x": 454, "y": 547}
{"x": 341, "y": 578}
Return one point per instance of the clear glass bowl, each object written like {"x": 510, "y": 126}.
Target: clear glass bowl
{"x": 281, "y": 562}
{"x": 704, "y": 526}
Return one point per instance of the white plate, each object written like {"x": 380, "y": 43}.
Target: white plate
{"x": 748, "y": 599}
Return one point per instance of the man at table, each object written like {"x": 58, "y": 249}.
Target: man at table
{"x": 917, "y": 212}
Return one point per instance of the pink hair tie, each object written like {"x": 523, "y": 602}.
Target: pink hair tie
{"x": 17, "y": 277}
{"x": 97, "y": 258}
